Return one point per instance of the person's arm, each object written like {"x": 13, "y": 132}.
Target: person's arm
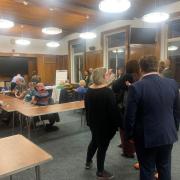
{"x": 21, "y": 95}
{"x": 34, "y": 100}
{"x": 130, "y": 115}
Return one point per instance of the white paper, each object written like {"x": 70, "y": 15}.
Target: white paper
{"x": 61, "y": 75}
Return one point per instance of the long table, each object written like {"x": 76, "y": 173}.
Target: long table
{"x": 11, "y": 104}
{"x": 19, "y": 154}
{"x": 33, "y": 111}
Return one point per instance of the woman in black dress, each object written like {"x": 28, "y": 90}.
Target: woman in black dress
{"x": 101, "y": 118}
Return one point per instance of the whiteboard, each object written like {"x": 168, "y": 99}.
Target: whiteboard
{"x": 61, "y": 75}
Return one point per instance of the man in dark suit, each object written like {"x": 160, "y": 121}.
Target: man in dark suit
{"x": 152, "y": 120}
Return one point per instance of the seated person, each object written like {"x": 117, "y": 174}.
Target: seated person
{"x": 30, "y": 92}
{"x": 81, "y": 89}
{"x": 67, "y": 94}
{"x": 20, "y": 89}
{"x": 42, "y": 98}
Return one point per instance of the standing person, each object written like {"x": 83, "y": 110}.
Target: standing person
{"x": 120, "y": 88}
{"x": 120, "y": 72}
{"x": 85, "y": 77}
{"x": 167, "y": 72}
{"x": 152, "y": 120}
{"x": 110, "y": 77}
{"x": 89, "y": 79}
{"x": 14, "y": 79}
{"x": 35, "y": 78}
{"x": 162, "y": 66}
{"x": 101, "y": 118}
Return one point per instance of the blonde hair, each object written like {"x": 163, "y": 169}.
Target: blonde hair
{"x": 98, "y": 76}
{"x": 82, "y": 83}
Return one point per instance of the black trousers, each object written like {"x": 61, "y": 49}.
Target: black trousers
{"x": 100, "y": 145}
{"x": 151, "y": 159}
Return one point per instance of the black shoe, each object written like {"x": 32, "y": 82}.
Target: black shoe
{"x": 88, "y": 165}
{"x": 105, "y": 175}
{"x": 127, "y": 155}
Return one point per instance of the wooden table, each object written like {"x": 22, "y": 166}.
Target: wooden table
{"x": 11, "y": 104}
{"x": 19, "y": 154}
{"x": 50, "y": 109}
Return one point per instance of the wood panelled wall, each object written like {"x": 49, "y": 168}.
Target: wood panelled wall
{"x": 32, "y": 66}
{"x": 94, "y": 59}
{"x": 47, "y": 66}
{"x": 140, "y": 50}
{"x": 136, "y": 51}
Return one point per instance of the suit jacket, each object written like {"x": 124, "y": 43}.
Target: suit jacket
{"x": 152, "y": 114}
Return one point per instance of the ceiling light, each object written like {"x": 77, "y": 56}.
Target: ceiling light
{"x": 53, "y": 44}
{"x": 51, "y": 30}
{"x": 23, "y": 42}
{"x": 25, "y": 3}
{"x": 5, "y": 24}
{"x": 155, "y": 17}
{"x": 118, "y": 51}
{"x": 172, "y": 48}
{"x": 87, "y": 35}
{"x": 114, "y": 6}
{"x": 52, "y": 9}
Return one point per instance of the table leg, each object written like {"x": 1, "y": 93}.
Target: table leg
{"x": 82, "y": 118}
{"x": 21, "y": 124}
{"x": 37, "y": 170}
{"x": 10, "y": 177}
{"x": 28, "y": 123}
{"x": 13, "y": 119}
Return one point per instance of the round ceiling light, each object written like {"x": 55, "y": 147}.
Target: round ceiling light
{"x": 23, "y": 42}
{"x": 114, "y": 6}
{"x": 156, "y": 17}
{"x": 172, "y": 48}
{"x": 51, "y": 30}
{"x": 5, "y": 24}
{"x": 87, "y": 35}
{"x": 53, "y": 44}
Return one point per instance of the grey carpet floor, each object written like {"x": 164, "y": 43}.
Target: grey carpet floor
{"x": 68, "y": 147}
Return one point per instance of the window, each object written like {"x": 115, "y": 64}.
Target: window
{"x": 115, "y": 49}
{"x": 174, "y": 47}
{"x": 77, "y": 61}
{"x": 174, "y": 29}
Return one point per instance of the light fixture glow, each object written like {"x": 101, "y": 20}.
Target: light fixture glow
{"x": 172, "y": 48}
{"x": 51, "y": 30}
{"x": 5, "y": 24}
{"x": 53, "y": 44}
{"x": 87, "y": 35}
{"x": 114, "y": 6}
{"x": 25, "y": 3}
{"x": 23, "y": 42}
{"x": 118, "y": 51}
{"x": 156, "y": 17}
